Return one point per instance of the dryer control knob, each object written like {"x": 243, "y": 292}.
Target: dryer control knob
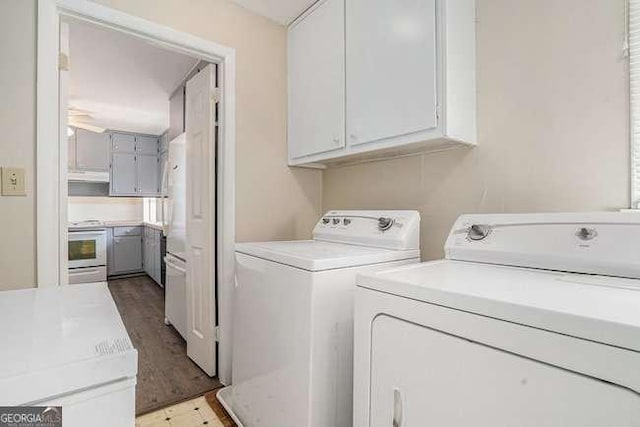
{"x": 384, "y": 223}
{"x": 478, "y": 232}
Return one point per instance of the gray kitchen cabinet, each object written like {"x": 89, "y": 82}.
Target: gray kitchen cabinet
{"x": 148, "y": 171}
{"x": 153, "y": 254}
{"x": 164, "y": 143}
{"x": 123, "y": 142}
{"x": 147, "y": 144}
{"x": 176, "y": 113}
{"x": 92, "y": 151}
{"x": 127, "y": 254}
{"x": 123, "y": 175}
{"x": 134, "y": 165}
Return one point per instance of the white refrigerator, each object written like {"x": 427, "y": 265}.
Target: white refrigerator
{"x": 174, "y": 219}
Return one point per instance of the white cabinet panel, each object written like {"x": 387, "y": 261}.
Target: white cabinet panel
{"x": 391, "y": 68}
{"x": 316, "y": 81}
{"x": 420, "y": 377}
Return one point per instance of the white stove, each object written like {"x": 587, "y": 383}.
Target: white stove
{"x": 87, "y": 252}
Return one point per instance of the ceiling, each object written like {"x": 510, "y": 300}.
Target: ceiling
{"x": 281, "y": 11}
{"x": 122, "y": 81}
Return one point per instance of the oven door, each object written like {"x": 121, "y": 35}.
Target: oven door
{"x": 87, "y": 248}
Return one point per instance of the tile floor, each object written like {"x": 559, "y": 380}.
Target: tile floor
{"x": 192, "y": 413}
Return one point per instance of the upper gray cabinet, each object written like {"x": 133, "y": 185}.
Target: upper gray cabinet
{"x": 134, "y": 165}
{"x": 123, "y": 142}
{"x": 92, "y": 151}
{"x": 176, "y": 113}
{"x": 147, "y": 144}
{"x": 88, "y": 151}
{"x": 378, "y": 78}
{"x": 148, "y": 172}
{"x": 123, "y": 175}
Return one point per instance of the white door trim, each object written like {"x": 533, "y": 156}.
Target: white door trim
{"x": 51, "y": 171}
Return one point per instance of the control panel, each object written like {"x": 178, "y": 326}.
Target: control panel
{"x": 385, "y": 229}
{"x": 596, "y": 243}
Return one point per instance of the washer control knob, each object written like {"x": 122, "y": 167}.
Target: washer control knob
{"x": 325, "y": 220}
{"x": 585, "y": 233}
{"x": 478, "y": 232}
{"x": 336, "y": 221}
{"x": 384, "y": 223}
{"x": 346, "y": 221}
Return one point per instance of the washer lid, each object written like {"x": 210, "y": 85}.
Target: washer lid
{"x": 60, "y": 340}
{"x": 315, "y": 255}
{"x": 597, "y": 308}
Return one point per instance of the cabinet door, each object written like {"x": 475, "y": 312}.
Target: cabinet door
{"x": 316, "y": 81}
{"x": 92, "y": 151}
{"x": 147, "y": 145}
{"x": 157, "y": 256}
{"x": 123, "y": 174}
{"x": 176, "y": 113}
{"x": 391, "y": 68}
{"x": 148, "y": 171}
{"x": 123, "y": 142}
{"x": 127, "y": 254}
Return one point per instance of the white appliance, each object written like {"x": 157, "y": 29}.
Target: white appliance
{"x": 293, "y": 317}
{"x": 174, "y": 219}
{"x": 531, "y": 320}
{"x": 67, "y": 346}
{"x": 87, "y": 252}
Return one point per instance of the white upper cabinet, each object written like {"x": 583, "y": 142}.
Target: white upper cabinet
{"x": 395, "y": 77}
{"x": 316, "y": 81}
{"x": 391, "y": 68}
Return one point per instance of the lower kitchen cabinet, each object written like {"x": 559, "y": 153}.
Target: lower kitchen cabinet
{"x": 153, "y": 254}
{"x": 133, "y": 250}
{"x": 124, "y": 250}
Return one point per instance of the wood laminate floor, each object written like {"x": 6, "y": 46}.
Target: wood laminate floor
{"x": 165, "y": 374}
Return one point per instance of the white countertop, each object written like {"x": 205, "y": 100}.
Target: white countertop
{"x": 124, "y": 223}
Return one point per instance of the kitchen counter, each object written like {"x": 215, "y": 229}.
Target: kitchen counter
{"x": 121, "y": 223}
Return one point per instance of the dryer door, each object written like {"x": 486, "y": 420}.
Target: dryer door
{"x": 423, "y": 377}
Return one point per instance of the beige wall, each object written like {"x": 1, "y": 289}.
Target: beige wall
{"x": 552, "y": 125}
{"x": 273, "y": 202}
{"x": 17, "y": 127}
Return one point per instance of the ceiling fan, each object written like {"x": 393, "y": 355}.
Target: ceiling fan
{"x": 78, "y": 118}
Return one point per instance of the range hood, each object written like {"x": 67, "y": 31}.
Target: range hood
{"x": 87, "y": 176}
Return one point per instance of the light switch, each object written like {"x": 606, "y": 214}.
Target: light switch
{"x": 13, "y": 182}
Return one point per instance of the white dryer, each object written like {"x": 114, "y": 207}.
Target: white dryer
{"x": 533, "y": 320}
{"x": 293, "y": 317}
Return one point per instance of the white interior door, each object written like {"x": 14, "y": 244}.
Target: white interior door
{"x": 201, "y": 196}
{"x": 63, "y": 138}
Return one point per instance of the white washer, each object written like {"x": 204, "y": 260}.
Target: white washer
{"x": 532, "y": 320}
{"x": 293, "y": 317}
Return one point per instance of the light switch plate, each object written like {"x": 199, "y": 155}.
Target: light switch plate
{"x": 13, "y": 182}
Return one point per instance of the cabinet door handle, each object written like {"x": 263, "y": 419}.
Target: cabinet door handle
{"x": 397, "y": 408}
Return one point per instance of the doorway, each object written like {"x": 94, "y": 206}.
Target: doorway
{"x": 211, "y": 349}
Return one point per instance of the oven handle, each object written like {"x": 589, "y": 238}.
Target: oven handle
{"x": 76, "y": 234}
